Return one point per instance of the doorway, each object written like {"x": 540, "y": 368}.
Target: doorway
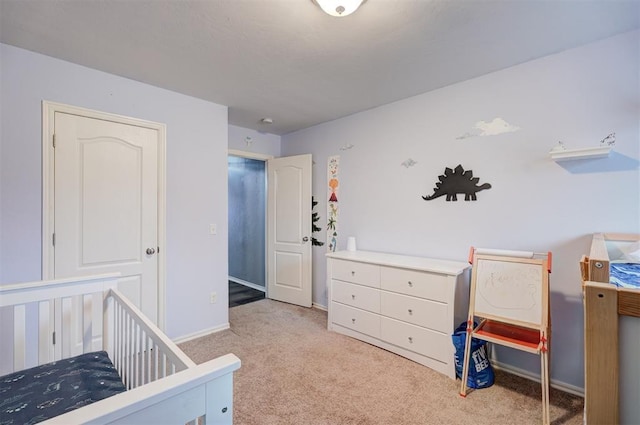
{"x": 285, "y": 209}
{"x": 247, "y": 183}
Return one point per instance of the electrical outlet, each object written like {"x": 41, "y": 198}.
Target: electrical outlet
{"x": 213, "y": 298}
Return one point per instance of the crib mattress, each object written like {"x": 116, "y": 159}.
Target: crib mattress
{"x": 625, "y": 275}
{"x": 43, "y": 392}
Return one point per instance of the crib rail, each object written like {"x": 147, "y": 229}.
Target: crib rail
{"x": 50, "y": 320}
{"x": 140, "y": 351}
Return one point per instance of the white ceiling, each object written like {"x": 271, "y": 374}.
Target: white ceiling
{"x": 287, "y": 60}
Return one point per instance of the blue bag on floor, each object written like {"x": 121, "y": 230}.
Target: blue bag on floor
{"x": 480, "y": 370}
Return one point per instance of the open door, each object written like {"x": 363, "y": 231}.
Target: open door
{"x": 289, "y": 230}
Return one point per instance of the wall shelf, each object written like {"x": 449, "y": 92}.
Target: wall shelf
{"x": 561, "y": 154}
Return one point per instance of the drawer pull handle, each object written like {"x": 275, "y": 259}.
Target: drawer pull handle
{"x": 410, "y": 340}
{"x": 353, "y": 297}
{"x": 353, "y": 320}
{"x": 410, "y": 311}
{"x": 353, "y": 273}
{"x": 410, "y": 284}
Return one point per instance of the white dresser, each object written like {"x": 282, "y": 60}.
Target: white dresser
{"x": 407, "y": 305}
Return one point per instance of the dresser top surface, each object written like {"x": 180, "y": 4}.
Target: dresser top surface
{"x": 403, "y": 261}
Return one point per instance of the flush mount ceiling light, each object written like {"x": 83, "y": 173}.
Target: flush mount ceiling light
{"x": 339, "y": 8}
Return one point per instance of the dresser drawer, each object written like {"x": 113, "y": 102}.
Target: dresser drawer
{"x": 418, "y": 284}
{"x": 351, "y": 271}
{"x": 421, "y": 312}
{"x": 356, "y": 319}
{"x": 429, "y": 343}
{"x": 359, "y": 296}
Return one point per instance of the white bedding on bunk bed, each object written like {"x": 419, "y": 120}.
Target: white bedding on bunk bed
{"x": 624, "y": 268}
{"x": 624, "y": 274}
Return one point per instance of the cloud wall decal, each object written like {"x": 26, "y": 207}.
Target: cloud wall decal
{"x": 492, "y": 128}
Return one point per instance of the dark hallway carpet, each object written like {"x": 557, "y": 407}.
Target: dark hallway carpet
{"x": 240, "y": 294}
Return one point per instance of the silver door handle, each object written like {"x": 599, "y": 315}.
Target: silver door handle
{"x": 305, "y": 239}
{"x": 151, "y": 251}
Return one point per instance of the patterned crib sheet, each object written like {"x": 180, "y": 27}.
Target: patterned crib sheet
{"x": 625, "y": 275}
{"x": 43, "y": 392}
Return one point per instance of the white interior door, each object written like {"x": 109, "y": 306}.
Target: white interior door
{"x": 289, "y": 230}
{"x": 106, "y": 204}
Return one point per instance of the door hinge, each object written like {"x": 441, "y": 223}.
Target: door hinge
{"x": 54, "y": 337}
{"x": 54, "y": 141}
{"x": 53, "y": 239}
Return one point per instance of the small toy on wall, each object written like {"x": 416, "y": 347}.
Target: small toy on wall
{"x": 457, "y": 181}
{"x": 408, "y": 163}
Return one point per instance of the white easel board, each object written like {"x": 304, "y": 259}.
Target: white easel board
{"x": 510, "y": 289}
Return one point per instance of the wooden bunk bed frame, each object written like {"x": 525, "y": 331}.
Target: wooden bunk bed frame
{"x": 79, "y": 315}
{"x": 603, "y": 304}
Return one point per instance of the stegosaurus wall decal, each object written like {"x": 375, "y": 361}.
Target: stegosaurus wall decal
{"x": 457, "y": 181}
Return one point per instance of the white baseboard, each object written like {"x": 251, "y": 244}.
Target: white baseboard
{"x": 246, "y": 283}
{"x": 562, "y": 386}
{"x": 319, "y": 306}
{"x": 200, "y": 334}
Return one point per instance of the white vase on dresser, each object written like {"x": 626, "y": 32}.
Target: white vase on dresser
{"x": 407, "y": 305}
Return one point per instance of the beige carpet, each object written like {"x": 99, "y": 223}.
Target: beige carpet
{"x": 296, "y": 372}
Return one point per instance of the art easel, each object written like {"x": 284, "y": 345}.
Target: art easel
{"x": 510, "y": 294}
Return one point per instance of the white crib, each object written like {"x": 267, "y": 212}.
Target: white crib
{"x": 52, "y": 320}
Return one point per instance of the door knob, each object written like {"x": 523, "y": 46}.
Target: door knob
{"x": 151, "y": 251}
{"x": 305, "y": 239}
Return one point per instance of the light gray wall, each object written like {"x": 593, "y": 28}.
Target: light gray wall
{"x": 578, "y": 96}
{"x": 196, "y": 177}
{"x": 262, "y": 143}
